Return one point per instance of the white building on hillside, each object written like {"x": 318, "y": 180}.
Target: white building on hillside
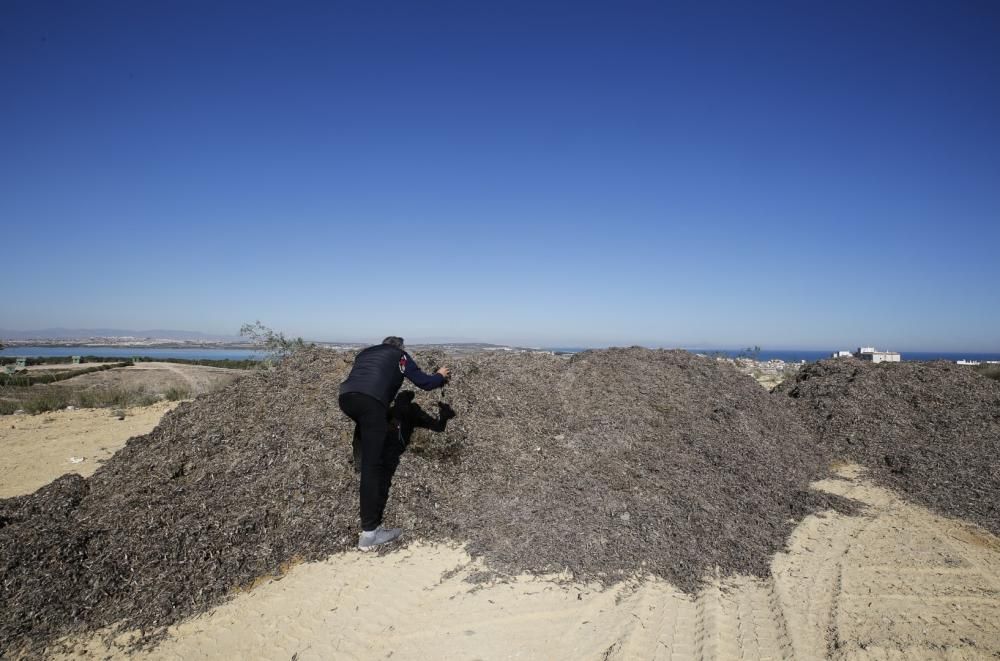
{"x": 875, "y": 356}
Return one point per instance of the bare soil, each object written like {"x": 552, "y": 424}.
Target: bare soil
{"x": 36, "y": 449}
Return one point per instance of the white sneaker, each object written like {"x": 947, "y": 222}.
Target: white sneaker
{"x": 369, "y": 540}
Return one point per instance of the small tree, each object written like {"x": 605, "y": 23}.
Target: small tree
{"x": 270, "y": 340}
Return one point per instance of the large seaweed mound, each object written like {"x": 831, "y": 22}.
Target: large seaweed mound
{"x": 612, "y": 463}
{"x": 930, "y": 430}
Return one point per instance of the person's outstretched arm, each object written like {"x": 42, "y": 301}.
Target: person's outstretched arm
{"x": 421, "y": 379}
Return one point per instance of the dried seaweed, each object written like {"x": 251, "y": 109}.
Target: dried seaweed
{"x": 930, "y": 430}
{"x": 611, "y": 464}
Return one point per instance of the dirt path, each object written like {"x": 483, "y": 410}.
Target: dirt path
{"x": 902, "y": 582}
{"x": 896, "y": 583}
{"x": 198, "y": 378}
{"x": 158, "y": 377}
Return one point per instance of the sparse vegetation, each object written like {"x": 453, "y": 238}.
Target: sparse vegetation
{"x": 126, "y": 398}
{"x": 227, "y": 363}
{"x": 43, "y": 389}
{"x": 174, "y": 394}
{"x": 58, "y": 360}
{"x": 54, "y": 398}
{"x": 272, "y": 341}
{"x": 50, "y": 400}
{"x": 88, "y": 399}
{"x": 990, "y": 371}
{"x": 24, "y": 378}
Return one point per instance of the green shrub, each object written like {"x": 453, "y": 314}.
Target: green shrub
{"x": 124, "y": 398}
{"x": 87, "y": 399}
{"x": 174, "y": 394}
{"x": 272, "y": 341}
{"x": 7, "y": 407}
{"x": 99, "y": 398}
{"x": 51, "y": 400}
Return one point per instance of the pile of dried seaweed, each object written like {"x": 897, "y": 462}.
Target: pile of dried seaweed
{"x": 616, "y": 462}
{"x": 612, "y": 463}
{"x": 930, "y": 430}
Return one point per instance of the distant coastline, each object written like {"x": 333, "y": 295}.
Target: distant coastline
{"x": 162, "y": 352}
{"x": 798, "y": 355}
{"x": 156, "y": 344}
{"x": 246, "y": 351}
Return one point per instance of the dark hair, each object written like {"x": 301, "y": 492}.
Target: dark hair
{"x": 393, "y": 341}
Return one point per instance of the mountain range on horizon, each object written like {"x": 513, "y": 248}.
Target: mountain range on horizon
{"x": 87, "y": 333}
{"x": 83, "y": 334}
{"x": 80, "y": 334}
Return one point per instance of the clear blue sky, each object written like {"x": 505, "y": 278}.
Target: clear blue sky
{"x": 801, "y": 174}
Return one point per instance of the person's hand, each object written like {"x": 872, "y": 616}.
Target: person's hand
{"x": 445, "y": 373}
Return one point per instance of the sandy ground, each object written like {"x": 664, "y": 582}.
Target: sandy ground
{"x": 36, "y": 449}
{"x": 897, "y": 582}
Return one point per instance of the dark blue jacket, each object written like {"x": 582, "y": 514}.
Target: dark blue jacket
{"x": 379, "y": 370}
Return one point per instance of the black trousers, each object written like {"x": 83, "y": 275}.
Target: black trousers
{"x": 379, "y": 454}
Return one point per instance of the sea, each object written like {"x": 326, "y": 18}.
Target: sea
{"x": 787, "y": 355}
{"x": 797, "y": 355}
{"x": 129, "y": 352}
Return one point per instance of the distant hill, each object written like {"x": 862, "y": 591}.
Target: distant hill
{"x": 87, "y": 333}
{"x": 125, "y": 337}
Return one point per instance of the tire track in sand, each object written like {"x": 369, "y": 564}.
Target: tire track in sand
{"x": 896, "y": 582}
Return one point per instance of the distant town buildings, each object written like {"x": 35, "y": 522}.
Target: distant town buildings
{"x": 870, "y": 354}
{"x": 875, "y": 356}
